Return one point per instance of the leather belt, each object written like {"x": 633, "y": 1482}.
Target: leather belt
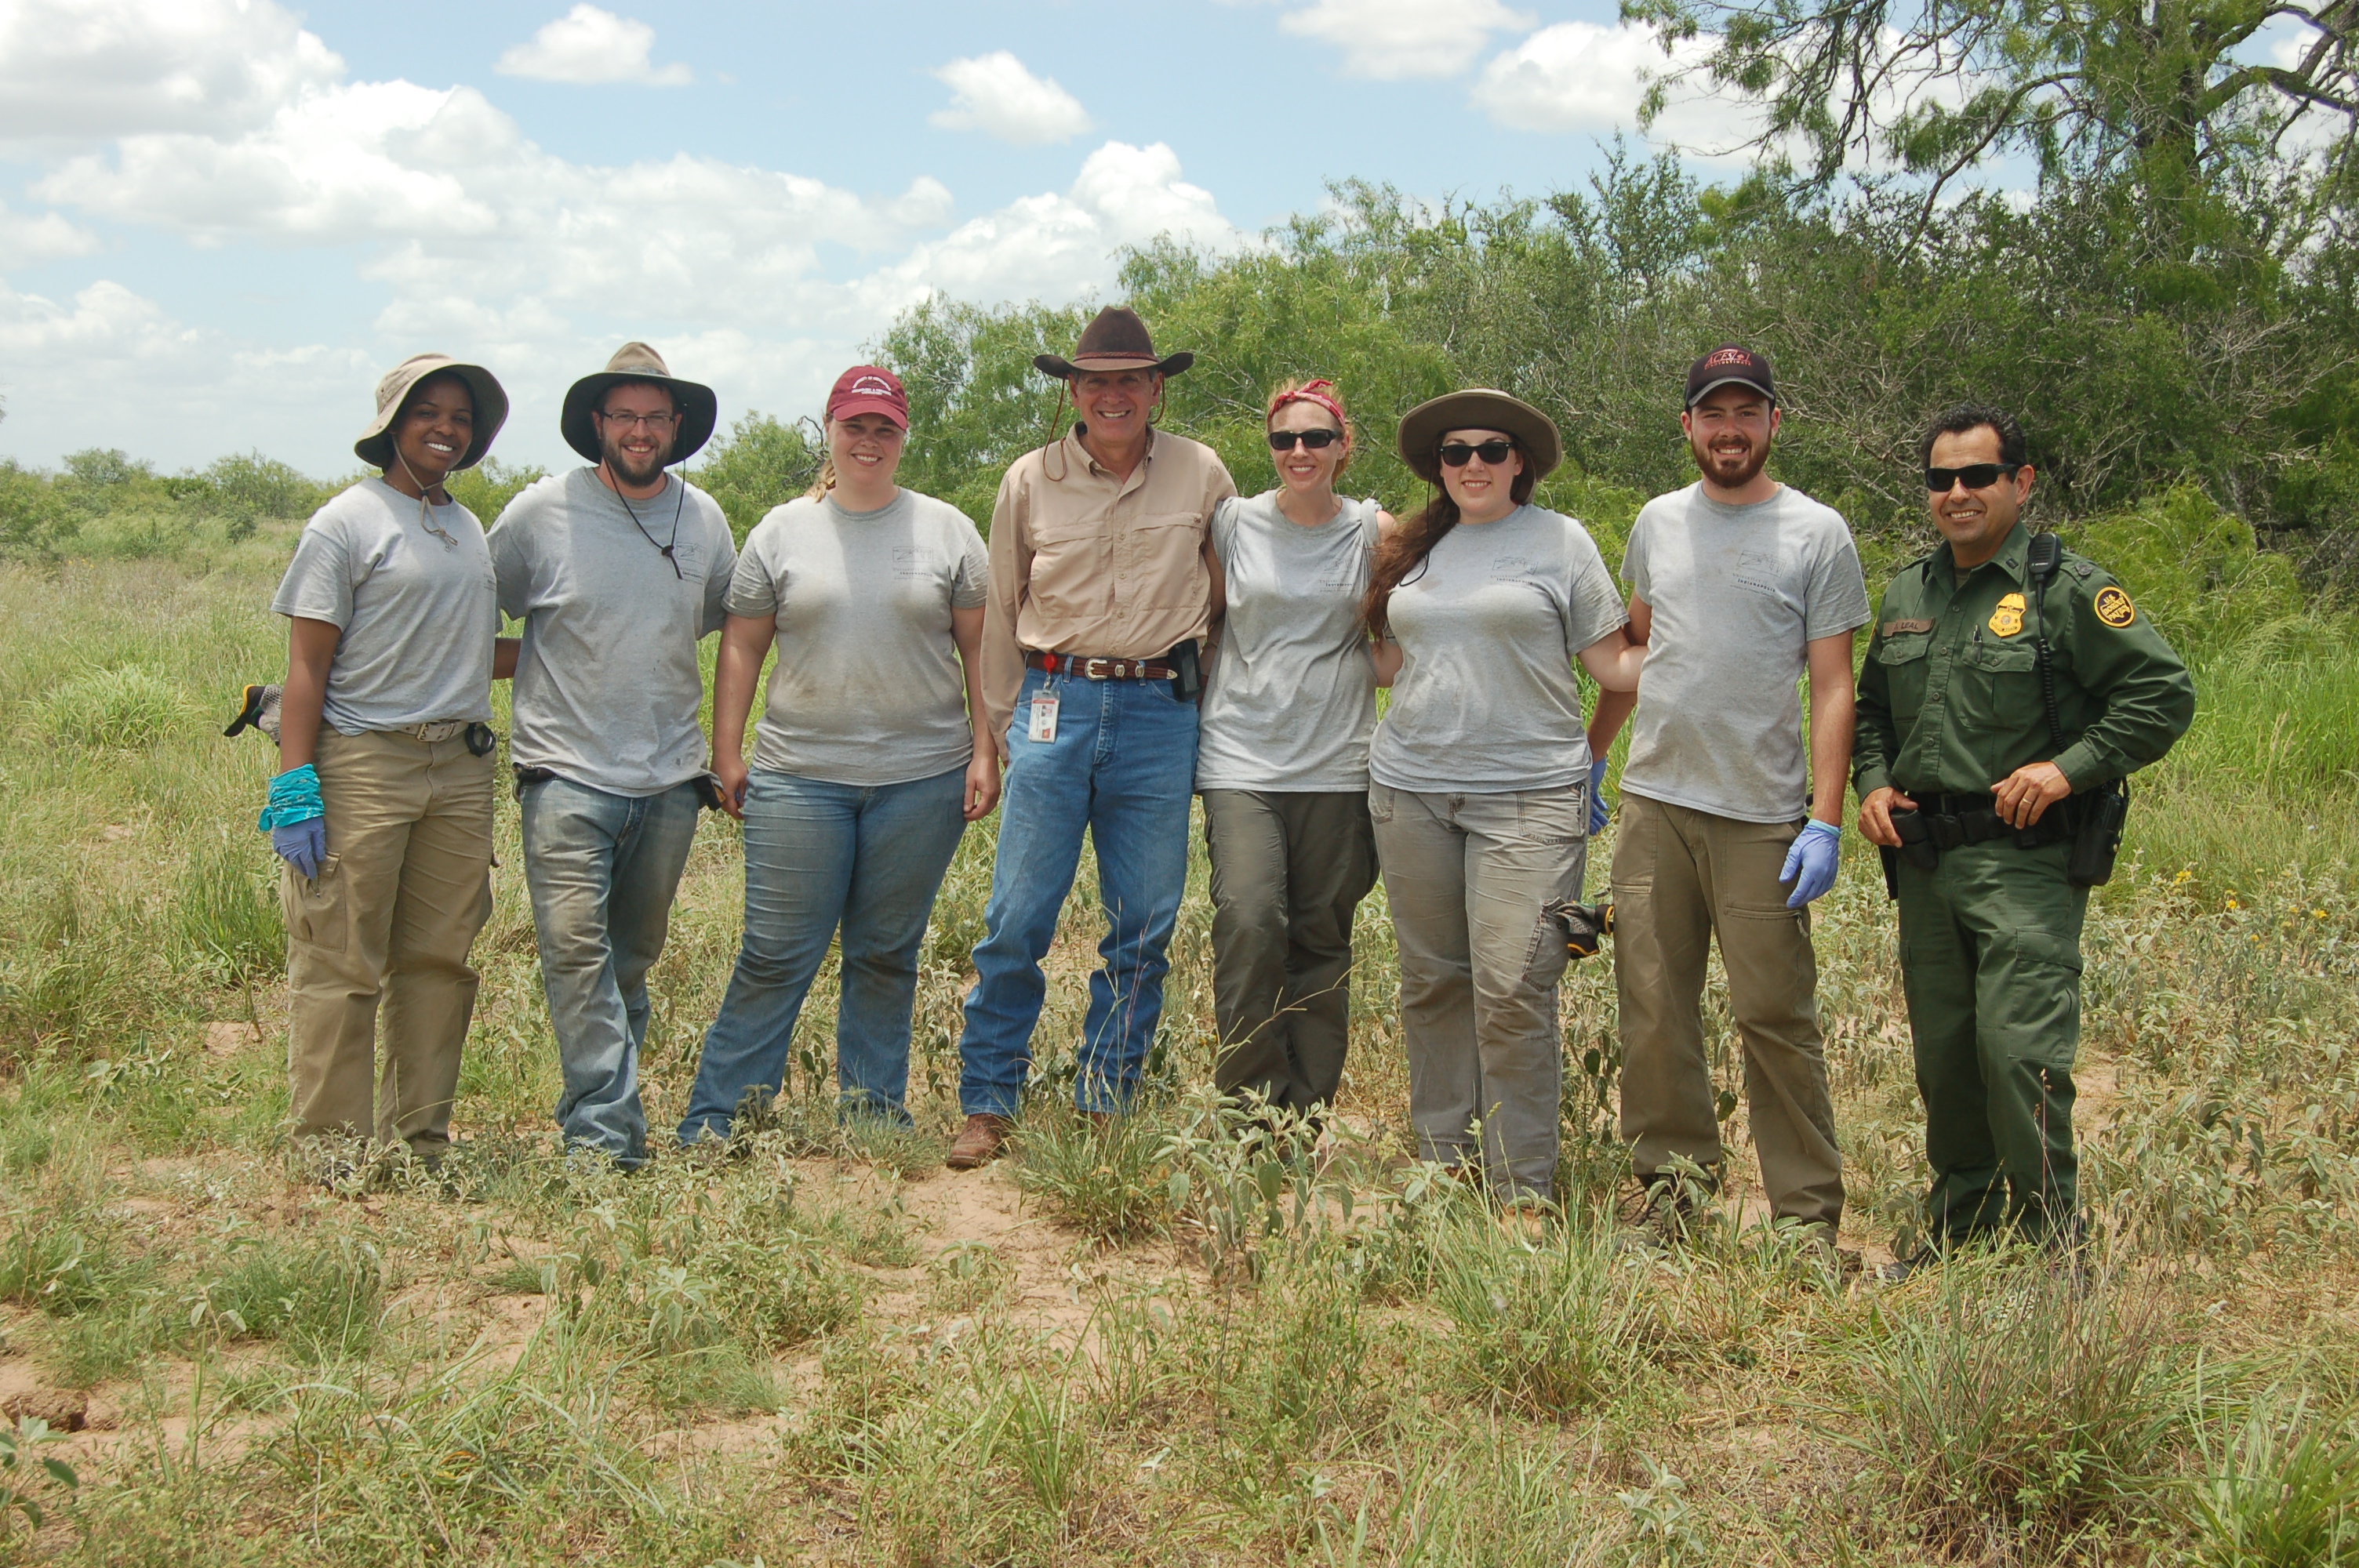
{"x": 435, "y": 733}
{"x": 1090, "y": 666}
{"x": 1953, "y": 820}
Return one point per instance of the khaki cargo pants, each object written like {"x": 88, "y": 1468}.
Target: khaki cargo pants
{"x": 1682, "y": 877}
{"x": 381, "y": 936}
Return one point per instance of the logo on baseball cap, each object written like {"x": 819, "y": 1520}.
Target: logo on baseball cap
{"x": 1729, "y": 362}
{"x": 869, "y": 389}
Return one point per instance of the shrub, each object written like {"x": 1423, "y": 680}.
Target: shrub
{"x": 126, "y": 708}
{"x": 1554, "y": 1329}
{"x": 2284, "y": 1497}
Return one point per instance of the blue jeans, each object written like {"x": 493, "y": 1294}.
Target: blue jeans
{"x": 868, "y": 858}
{"x": 602, "y": 870}
{"x": 1123, "y": 765}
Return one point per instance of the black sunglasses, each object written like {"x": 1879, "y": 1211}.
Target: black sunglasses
{"x": 1316, "y": 440}
{"x": 1493, "y": 452}
{"x": 1977, "y": 476}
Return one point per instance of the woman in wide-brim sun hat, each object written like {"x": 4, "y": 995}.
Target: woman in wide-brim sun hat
{"x": 1486, "y": 605}
{"x": 382, "y": 810}
{"x": 867, "y": 766}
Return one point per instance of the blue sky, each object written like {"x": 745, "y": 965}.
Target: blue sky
{"x": 220, "y": 219}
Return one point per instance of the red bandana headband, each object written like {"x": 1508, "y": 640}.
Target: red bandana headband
{"x": 1321, "y": 392}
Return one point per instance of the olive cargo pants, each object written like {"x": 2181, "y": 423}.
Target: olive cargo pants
{"x": 377, "y": 942}
{"x": 1990, "y": 952}
{"x": 1288, "y": 869}
{"x": 1681, "y": 878}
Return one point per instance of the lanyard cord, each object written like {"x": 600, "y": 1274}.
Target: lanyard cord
{"x": 424, "y": 508}
{"x": 677, "y": 500}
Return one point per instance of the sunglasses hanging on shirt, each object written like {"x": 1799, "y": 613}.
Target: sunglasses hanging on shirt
{"x": 1315, "y": 441}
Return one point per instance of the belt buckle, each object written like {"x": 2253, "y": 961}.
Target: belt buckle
{"x": 1095, "y": 669}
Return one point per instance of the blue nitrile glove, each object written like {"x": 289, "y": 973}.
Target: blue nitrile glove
{"x": 302, "y": 844}
{"x": 295, "y": 819}
{"x": 1597, "y": 797}
{"x": 1812, "y": 859}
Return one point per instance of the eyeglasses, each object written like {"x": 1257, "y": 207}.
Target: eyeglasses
{"x": 1316, "y": 440}
{"x": 1977, "y": 476}
{"x": 652, "y": 421}
{"x": 1492, "y": 453}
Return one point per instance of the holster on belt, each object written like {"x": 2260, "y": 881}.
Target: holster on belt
{"x": 1918, "y": 844}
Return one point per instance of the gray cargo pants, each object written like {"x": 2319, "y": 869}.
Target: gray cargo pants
{"x": 1468, "y": 877}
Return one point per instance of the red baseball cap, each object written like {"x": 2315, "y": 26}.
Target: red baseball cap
{"x": 869, "y": 389}
{"x": 1729, "y": 362}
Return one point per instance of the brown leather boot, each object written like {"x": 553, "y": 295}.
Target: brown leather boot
{"x": 979, "y": 1142}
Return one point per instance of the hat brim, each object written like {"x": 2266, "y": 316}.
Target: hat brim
{"x": 853, "y": 407}
{"x": 700, "y": 411}
{"x": 1708, "y": 388}
{"x": 1065, "y": 369}
{"x": 1477, "y": 408}
{"x": 376, "y": 446}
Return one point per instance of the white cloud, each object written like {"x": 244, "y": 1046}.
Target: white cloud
{"x": 1582, "y": 76}
{"x": 995, "y": 93}
{"x": 482, "y": 243}
{"x": 74, "y": 70}
{"x": 1391, "y": 40}
{"x": 29, "y": 237}
{"x": 589, "y": 46}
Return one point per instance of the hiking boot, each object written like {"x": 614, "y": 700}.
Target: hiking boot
{"x": 1660, "y": 1219}
{"x": 1099, "y": 1120}
{"x": 979, "y": 1142}
{"x": 1900, "y": 1270}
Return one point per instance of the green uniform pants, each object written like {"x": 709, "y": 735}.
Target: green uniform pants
{"x": 1990, "y": 952}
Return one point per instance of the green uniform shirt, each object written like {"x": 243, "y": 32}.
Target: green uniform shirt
{"x": 1949, "y": 699}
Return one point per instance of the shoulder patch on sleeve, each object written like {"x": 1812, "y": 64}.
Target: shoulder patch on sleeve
{"x": 2114, "y": 607}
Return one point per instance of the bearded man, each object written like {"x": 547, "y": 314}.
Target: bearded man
{"x": 617, "y": 570}
{"x": 1740, "y": 586}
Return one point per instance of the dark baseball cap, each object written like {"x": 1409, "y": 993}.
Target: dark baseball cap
{"x": 1729, "y": 362}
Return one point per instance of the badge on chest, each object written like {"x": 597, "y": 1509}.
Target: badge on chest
{"x": 2008, "y": 619}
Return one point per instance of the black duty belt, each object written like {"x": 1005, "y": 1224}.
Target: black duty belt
{"x": 1955, "y": 820}
{"x": 1090, "y": 666}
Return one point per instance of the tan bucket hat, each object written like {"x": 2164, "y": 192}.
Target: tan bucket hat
{"x": 700, "y": 410}
{"x": 1116, "y": 340}
{"x": 1477, "y": 408}
{"x": 376, "y": 446}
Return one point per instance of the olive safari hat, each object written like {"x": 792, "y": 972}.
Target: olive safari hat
{"x": 1477, "y": 408}
{"x": 1117, "y": 339}
{"x": 700, "y": 410}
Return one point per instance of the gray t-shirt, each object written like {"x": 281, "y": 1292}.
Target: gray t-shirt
{"x": 1291, "y": 697}
{"x": 418, "y": 612}
{"x": 1737, "y": 593}
{"x": 1487, "y": 700}
{"x": 608, "y": 687}
{"x": 868, "y": 689}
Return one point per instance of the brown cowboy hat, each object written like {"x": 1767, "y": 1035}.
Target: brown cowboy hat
{"x": 1477, "y": 408}
{"x": 376, "y": 446}
{"x": 1117, "y": 339}
{"x": 699, "y": 409}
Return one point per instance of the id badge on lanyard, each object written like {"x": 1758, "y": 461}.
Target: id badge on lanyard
{"x": 1043, "y": 725}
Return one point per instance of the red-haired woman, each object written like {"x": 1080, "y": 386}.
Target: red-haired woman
{"x": 1479, "y": 775}
{"x": 1282, "y": 760}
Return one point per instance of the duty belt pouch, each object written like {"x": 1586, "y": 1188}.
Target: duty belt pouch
{"x": 1188, "y": 684}
{"x": 2100, "y": 836}
{"x": 525, "y": 775}
{"x": 1917, "y": 846}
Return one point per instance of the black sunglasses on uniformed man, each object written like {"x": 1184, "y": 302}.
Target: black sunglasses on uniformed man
{"x": 1492, "y": 453}
{"x": 1283, "y": 440}
{"x": 1978, "y": 476}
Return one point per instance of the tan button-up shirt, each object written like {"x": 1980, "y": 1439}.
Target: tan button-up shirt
{"x": 1084, "y": 563}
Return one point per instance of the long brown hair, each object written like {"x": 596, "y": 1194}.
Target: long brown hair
{"x": 1406, "y": 550}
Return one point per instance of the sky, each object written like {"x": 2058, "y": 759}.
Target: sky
{"x": 222, "y": 219}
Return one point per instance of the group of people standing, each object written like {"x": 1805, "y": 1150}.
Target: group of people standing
{"x": 1133, "y": 635}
